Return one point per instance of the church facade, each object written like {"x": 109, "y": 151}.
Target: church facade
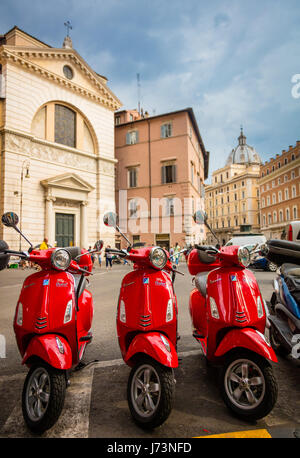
{"x": 57, "y": 158}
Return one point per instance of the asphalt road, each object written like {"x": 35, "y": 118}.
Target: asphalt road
{"x": 96, "y": 404}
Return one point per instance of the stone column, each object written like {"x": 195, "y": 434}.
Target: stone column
{"x": 83, "y": 225}
{"x": 50, "y": 221}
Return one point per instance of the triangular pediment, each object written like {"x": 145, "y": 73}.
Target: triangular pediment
{"x": 67, "y": 181}
{"x": 49, "y": 62}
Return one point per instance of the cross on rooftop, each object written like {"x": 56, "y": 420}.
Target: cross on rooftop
{"x": 68, "y": 26}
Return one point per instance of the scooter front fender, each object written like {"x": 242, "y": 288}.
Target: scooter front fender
{"x": 152, "y": 344}
{"x": 46, "y": 348}
{"x": 247, "y": 338}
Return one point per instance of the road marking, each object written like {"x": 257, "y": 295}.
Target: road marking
{"x": 256, "y": 433}
{"x": 74, "y": 420}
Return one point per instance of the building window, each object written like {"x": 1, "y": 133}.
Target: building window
{"x": 269, "y": 218}
{"x": 264, "y": 220}
{"x": 280, "y": 216}
{"x": 118, "y": 120}
{"x": 192, "y": 173}
{"x": 279, "y": 196}
{"x": 274, "y": 217}
{"x": 294, "y": 191}
{"x": 168, "y": 174}
{"x": 166, "y": 130}
{"x": 68, "y": 72}
{"x": 295, "y": 213}
{"x": 170, "y": 206}
{"x": 132, "y": 137}
{"x": 274, "y": 199}
{"x": 65, "y": 126}
{"x": 133, "y": 208}
{"x": 286, "y": 194}
{"x": 287, "y": 214}
{"x": 132, "y": 178}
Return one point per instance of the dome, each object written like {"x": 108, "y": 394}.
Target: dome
{"x": 243, "y": 153}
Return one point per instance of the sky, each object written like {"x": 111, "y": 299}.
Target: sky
{"x": 234, "y": 62}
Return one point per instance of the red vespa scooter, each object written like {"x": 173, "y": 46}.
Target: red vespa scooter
{"x": 52, "y": 325}
{"x": 229, "y": 317}
{"x": 147, "y": 331}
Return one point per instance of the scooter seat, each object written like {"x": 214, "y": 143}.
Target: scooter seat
{"x": 290, "y": 269}
{"x": 200, "y": 282}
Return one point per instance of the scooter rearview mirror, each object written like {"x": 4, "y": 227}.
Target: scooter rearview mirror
{"x": 200, "y": 217}
{"x": 110, "y": 219}
{"x": 10, "y": 219}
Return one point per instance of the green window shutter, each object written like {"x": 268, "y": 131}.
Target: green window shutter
{"x": 174, "y": 173}
{"x": 163, "y": 174}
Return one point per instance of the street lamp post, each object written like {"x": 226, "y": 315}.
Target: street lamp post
{"x": 25, "y": 165}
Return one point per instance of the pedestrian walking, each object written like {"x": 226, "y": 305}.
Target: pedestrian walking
{"x": 108, "y": 257}
{"x": 176, "y": 253}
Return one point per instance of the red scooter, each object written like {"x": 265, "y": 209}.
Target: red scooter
{"x": 52, "y": 325}
{"x": 229, "y": 318}
{"x": 147, "y": 331}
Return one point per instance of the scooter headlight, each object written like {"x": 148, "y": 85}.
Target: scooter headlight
{"x": 61, "y": 259}
{"x": 244, "y": 257}
{"x": 158, "y": 257}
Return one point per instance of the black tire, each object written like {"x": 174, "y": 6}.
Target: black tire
{"x": 43, "y": 397}
{"x": 155, "y": 404}
{"x": 242, "y": 392}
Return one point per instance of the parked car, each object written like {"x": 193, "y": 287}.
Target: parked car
{"x": 261, "y": 262}
{"x": 249, "y": 240}
{"x": 292, "y": 231}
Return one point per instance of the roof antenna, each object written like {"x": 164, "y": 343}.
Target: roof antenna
{"x": 139, "y": 92}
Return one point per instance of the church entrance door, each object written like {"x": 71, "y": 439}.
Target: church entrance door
{"x": 64, "y": 229}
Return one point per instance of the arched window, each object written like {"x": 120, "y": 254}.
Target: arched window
{"x": 59, "y": 123}
{"x": 65, "y": 126}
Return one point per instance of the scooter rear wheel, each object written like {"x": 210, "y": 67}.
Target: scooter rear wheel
{"x": 43, "y": 397}
{"x": 248, "y": 386}
{"x": 150, "y": 393}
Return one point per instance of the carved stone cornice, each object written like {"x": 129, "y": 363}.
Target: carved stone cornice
{"x": 22, "y": 56}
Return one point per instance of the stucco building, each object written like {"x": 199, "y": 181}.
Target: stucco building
{"x": 280, "y": 191}
{"x": 162, "y": 165}
{"x": 232, "y": 198}
{"x": 56, "y": 141}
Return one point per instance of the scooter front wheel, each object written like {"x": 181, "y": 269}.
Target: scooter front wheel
{"x": 150, "y": 393}
{"x": 248, "y": 386}
{"x": 43, "y": 397}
